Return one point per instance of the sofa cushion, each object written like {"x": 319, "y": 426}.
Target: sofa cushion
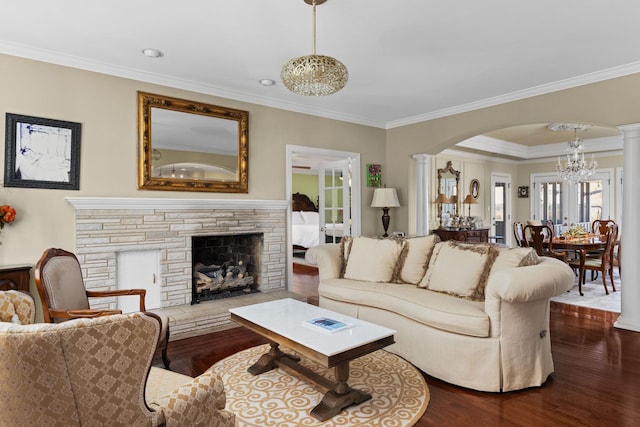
{"x": 460, "y": 269}
{"x": 434, "y": 309}
{"x": 372, "y": 260}
{"x": 417, "y": 253}
{"x": 514, "y": 257}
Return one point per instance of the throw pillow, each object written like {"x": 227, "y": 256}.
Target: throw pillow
{"x": 415, "y": 258}
{"x": 309, "y": 217}
{"x": 7, "y": 311}
{"x": 460, "y": 269}
{"x": 296, "y": 218}
{"x": 345, "y": 247}
{"x": 372, "y": 260}
{"x": 514, "y": 257}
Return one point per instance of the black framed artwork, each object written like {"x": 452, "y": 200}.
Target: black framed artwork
{"x": 523, "y": 192}
{"x": 41, "y": 153}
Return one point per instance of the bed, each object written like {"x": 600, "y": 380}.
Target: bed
{"x": 305, "y": 224}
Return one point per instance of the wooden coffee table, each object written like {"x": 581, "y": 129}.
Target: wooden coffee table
{"x": 282, "y": 322}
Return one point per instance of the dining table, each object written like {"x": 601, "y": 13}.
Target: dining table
{"x": 580, "y": 245}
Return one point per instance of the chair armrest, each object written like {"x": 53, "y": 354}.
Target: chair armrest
{"x": 198, "y": 402}
{"x": 327, "y": 258}
{"x": 75, "y": 314}
{"x": 120, "y": 293}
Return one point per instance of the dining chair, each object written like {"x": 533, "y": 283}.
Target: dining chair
{"x": 602, "y": 263}
{"x": 518, "y": 232}
{"x": 60, "y": 284}
{"x": 540, "y": 237}
{"x": 599, "y": 226}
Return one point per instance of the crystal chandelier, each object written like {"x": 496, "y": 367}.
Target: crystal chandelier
{"x": 576, "y": 169}
{"x": 314, "y": 75}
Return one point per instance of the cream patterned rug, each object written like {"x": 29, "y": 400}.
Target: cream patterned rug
{"x": 275, "y": 398}
{"x": 594, "y": 295}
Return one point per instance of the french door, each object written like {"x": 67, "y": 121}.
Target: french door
{"x": 334, "y": 201}
{"x": 567, "y": 203}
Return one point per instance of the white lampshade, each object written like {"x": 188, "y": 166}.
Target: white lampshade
{"x": 385, "y": 198}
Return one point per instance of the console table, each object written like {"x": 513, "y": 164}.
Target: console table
{"x": 463, "y": 235}
{"x": 14, "y": 277}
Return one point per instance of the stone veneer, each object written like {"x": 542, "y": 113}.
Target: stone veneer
{"x": 105, "y": 226}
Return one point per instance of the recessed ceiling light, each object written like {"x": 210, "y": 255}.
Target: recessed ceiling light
{"x": 152, "y": 53}
{"x": 267, "y": 82}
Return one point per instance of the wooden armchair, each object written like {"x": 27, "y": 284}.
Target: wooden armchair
{"x": 60, "y": 284}
{"x": 97, "y": 372}
{"x": 540, "y": 237}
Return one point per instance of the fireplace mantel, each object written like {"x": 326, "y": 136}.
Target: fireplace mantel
{"x": 172, "y": 203}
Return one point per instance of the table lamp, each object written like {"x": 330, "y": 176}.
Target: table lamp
{"x": 470, "y": 200}
{"x": 385, "y": 198}
{"x": 442, "y": 198}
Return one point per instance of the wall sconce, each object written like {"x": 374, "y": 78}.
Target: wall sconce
{"x": 442, "y": 198}
{"x": 470, "y": 200}
{"x": 385, "y": 198}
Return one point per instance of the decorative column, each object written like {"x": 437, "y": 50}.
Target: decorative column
{"x": 630, "y": 278}
{"x": 423, "y": 173}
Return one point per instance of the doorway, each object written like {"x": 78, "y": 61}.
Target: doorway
{"x": 337, "y": 194}
{"x": 501, "y": 207}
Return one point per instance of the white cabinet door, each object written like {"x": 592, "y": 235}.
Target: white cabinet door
{"x": 139, "y": 270}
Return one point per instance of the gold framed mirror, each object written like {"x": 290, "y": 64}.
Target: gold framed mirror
{"x": 449, "y": 185}
{"x": 191, "y": 146}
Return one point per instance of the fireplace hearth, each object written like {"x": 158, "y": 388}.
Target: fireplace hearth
{"x": 225, "y": 265}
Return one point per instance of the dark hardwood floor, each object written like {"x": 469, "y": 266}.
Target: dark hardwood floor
{"x": 596, "y": 380}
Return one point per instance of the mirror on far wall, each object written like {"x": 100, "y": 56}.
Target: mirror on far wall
{"x": 191, "y": 146}
{"x": 449, "y": 184}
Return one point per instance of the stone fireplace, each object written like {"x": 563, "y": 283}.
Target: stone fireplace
{"x": 225, "y": 265}
{"x": 107, "y": 226}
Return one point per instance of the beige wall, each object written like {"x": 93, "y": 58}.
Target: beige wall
{"x": 107, "y": 108}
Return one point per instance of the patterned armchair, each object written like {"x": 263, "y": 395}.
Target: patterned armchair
{"x": 17, "y": 307}
{"x": 96, "y": 371}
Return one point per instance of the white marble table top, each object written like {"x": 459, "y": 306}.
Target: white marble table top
{"x": 286, "y": 317}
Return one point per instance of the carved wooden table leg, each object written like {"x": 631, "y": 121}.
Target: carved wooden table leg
{"x": 341, "y": 396}
{"x": 269, "y": 360}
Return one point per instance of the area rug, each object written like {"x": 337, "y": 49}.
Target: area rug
{"x": 276, "y": 398}
{"x": 594, "y": 295}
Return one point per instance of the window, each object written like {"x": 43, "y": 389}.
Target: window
{"x": 588, "y": 201}
{"x": 589, "y": 196}
{"x": 551, "y": 202}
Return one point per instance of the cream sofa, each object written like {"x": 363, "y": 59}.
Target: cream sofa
{"x": 475, "y": 315}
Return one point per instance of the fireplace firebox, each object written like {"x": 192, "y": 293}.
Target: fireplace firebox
{"x": 225, "y": 265}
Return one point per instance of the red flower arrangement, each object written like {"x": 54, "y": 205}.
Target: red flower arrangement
{"x": 7, "y": 215}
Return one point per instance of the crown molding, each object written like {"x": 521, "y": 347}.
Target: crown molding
{"x": 52, "y": 57}
{"x": 569, "y": 83}
{"x": 506, "y": 148}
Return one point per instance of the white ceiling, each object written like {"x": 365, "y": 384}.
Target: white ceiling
{"x": 408, "y": 60}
